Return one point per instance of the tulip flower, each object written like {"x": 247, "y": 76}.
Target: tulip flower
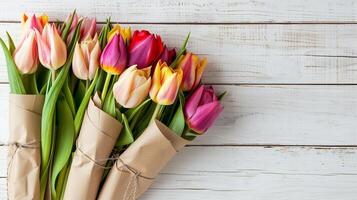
{"x": 167, "y": 55}
{"x": 87, "y": 31}
{"x": 86, "y": 58}
{"x": 51, "y": 48}
{"x": 114, "y": 57}
{"x": 132, "y": 87}
{"x": 26, "y": 54}
{"x": 201, "y": 109}
{"x": 192, "y": 68}
{"x": 124, "y": 32}
{"x": 145, "y": 48}
{"x": 34, "y": 22}
{"x": 166, "y": 83}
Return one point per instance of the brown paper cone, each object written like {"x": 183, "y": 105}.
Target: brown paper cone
{"x": 136, "y": 168}
{"x": 24, "y": 156}
{"x": 96, "y": 140}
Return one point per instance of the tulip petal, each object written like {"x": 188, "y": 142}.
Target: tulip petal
{"x": 193, "y": 102}
{"x": 94, "y": 61}
{"x": 168, "y": 92}
{"x": 199, "y": 72}
{"x": 79, "y": 65}
{"x": 205, "y": 116}
{"x": 43, "y": 49}
{"x": 25, "y": 56}
{"x": 139, "y": 94}
{"x": 58, "y": 49}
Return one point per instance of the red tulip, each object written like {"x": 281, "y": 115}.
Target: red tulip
{"x": 201, "y": 109}
{"x": 145, "y": 48}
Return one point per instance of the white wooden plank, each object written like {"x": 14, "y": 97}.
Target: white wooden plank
{"x": 187, "y": 11}
{"x": 288, "y": 54}
{"x": 272, "y": 114}
{"x": 254, "y": 173}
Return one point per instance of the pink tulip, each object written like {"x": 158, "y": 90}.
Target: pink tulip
{"x": 201, "y": 109}
{"x": 192, "y": 68}
{"x": 114, "y": 57}
{"x": 86, "y": 58}
{"x": 144, "y": 49}
{"x": 51, "y": 48}
{"x": 88, "y": 28}
{"x": 167, "y": 55}
{"x": 132, "y": 87}
{"x": 26, "y": 54}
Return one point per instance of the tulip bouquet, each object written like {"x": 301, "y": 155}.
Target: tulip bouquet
{"x": 99, "y": 114}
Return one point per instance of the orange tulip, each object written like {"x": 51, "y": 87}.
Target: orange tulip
{"x": 166, "y": 83}
{"x": 192, "y": 68}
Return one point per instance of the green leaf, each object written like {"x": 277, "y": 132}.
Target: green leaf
{"x": 144, "y": 122}
{"x": 83, "y": 106}
{"x": 188, "y": 135}
{"x": 64, "y": 140}
{"x": 181, "y": 52}
{"x": 48, "y": 115}
{"x": 130, "y": 113}
{"x": 16, "y": 84}
{"x": 221, "y": 96}
{"x": 69, "y": 97}
{"x": 178, "y": 121}
{"x": 79, "y": 93}
{"x": 11, "y": 43}
{"x": 67, "y": 27}
{"x": 126, "y": 135}
{"x": 109, "y": 104}
{"x": 30, "y": 84}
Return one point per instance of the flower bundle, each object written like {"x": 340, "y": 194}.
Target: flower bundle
{"x": 99, "y": 114}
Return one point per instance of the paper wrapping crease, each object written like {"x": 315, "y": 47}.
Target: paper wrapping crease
{"x": 137, "y": 166}
{"x": 24, "y": 155}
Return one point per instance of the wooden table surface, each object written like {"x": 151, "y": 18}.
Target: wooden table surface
{"x": 289, "y": 129}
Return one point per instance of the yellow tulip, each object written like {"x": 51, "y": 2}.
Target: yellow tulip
{"x": 124, "y": 32}
{"x": 166, "y": 83}
{"x": 132, "y": 87}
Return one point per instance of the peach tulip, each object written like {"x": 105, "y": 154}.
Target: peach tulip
{"x": 166, "y": 83}
{"x": 86, "y": 58}
{"x": 26, "y": 54}
{"x": 132, "y": 87}
{"x": 33, "y": 22}
{"x": 52, "y": 50}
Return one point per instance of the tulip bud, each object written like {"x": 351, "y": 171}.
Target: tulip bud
{"x": 124, "y": 32}
{"x": 145, "y": 48}
{"x": 34, "y": 22}
{"x": 166, "y": 83}
{"x": 86, "y": 58}
{"x": 167, "y": 55}
{"x": 201, "y": 109}
{"x": 192, "y": 68}
{"x": 87, "y": 31}
{"x": 132, "y": 87}
{"x": 52, "y": 50}
{"x": 114, "y": 57}
{"x": 26, "y": 54}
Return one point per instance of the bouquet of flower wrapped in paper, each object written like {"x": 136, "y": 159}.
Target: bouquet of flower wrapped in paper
{"x": 97, "y": 115}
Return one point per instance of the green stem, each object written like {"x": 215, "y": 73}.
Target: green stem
{"x": 106, "y": 85}
{"x": 53, "y": 75}
{"x": 156, "y": 113}
{"x": 87, "y": 84}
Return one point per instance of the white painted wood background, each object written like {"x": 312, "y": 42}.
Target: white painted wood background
{"x": 289, "y": 130}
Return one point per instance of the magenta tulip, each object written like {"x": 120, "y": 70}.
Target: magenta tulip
{"x": 167, "y": 55}
{"x": 144, "y": 49}
{"x": 201, "y": 109}
{"x": 114, "y": 57}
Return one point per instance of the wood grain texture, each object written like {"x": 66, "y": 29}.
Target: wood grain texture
{"x": 253, "y": 173}
{"x": 272, "y": 115}
{"x": 264, "y": 54}
{"x": 187, "y": 11}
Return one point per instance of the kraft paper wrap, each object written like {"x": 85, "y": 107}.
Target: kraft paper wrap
{"x": 24, "y": 155}
{"x": 136, "y": 168}
{"x": 95, "y": 142}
